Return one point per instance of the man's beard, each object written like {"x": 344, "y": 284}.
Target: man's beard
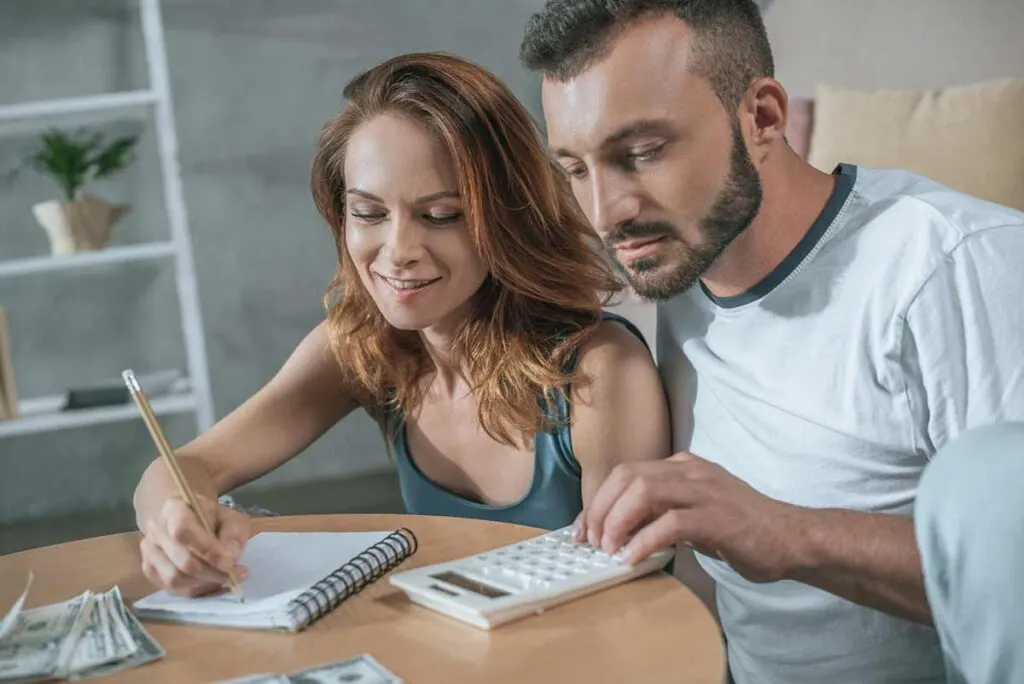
{"x": 733, "y": 211}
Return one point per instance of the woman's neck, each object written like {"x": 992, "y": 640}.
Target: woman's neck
{"x": 448, "y": 379}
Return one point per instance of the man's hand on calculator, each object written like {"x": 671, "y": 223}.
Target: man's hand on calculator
{"x": 649, "y": 505}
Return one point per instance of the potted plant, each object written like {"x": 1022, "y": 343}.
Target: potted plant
{"x": 81, "y": 221}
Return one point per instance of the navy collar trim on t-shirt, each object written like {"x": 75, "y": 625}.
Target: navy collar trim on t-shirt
{"x": 846, "y": 175}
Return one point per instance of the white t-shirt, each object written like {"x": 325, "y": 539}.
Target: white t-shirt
{"x": 896, "y": 324}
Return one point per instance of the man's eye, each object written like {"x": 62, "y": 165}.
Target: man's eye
{"x": 644, "y": 155}
{"x": 577, "y": 171}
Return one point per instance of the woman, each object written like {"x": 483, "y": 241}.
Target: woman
{"x": 465, "y": 315}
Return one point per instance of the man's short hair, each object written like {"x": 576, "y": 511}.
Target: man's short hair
{"x": 730, "y": 45}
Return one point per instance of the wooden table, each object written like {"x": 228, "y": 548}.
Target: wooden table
{"x": 650, "y": 629}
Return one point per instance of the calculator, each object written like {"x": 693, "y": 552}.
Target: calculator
{"x": 510, "y": 582}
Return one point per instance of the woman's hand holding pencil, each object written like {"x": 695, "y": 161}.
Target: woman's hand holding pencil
{"x": 179, "y": 555}
{"x": 193, "y": 545}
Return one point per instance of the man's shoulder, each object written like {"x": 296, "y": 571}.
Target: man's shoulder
{"x": 914, "y": 207}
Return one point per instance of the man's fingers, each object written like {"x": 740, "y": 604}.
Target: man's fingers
{"x": 665, "y": 485}
{"x": 605, "y": 497}
{"x": 579, "y": 527}
{"x": 671, "y": 527}
{"x": 639, "y": 504}
{"x": 683, "y": 457}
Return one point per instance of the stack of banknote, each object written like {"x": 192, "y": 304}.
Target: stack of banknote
{"x": 362, "y": 669}
{"x": 90, "y": 635}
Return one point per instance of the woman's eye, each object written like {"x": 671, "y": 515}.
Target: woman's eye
{"x": 368, "y": 216}
{"x": 442, "y": 219}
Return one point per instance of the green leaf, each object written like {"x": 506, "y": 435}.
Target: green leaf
{"x": 115, "y": 157}
{"x": 73, "y": 162}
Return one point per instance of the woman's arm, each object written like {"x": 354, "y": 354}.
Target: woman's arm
{"x": 301, "y": 402}
{"x": 620, "y": 412}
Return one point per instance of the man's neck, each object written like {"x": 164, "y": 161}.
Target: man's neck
{"x": 794, "y": 194}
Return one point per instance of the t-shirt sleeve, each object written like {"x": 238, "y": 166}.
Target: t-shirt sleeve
{"x": 963, "y": 339}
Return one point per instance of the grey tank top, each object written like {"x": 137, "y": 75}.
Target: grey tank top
{"x": 554, "y": 497}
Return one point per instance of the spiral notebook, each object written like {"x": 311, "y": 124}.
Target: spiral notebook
{"x": 295, "y": 578}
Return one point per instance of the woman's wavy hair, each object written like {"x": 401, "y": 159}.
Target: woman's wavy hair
{"x": 547, "y": 278}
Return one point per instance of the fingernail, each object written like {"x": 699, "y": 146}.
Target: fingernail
{"x": 592, "y": 537}
{"x": 577, "y": 530}
{"x": 606, "y": 544}
{"x": 233, "y": 550}
{"x": 626, "y": 555}
{"x": 240, "y": 572}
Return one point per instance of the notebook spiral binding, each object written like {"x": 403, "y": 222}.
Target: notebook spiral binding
{"x": 352, "y": 577}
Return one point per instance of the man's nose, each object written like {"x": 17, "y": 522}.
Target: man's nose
{"x": 613, "y": 201}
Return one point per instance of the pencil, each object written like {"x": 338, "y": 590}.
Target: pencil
{"x": 167, "y": 453}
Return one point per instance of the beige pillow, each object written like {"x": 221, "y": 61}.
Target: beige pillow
{"x": 969, "y": 137}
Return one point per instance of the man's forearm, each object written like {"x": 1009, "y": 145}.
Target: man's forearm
{"x": 868, "y": 558}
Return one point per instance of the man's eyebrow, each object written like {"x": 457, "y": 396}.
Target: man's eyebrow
{"x": 630, "y": 130}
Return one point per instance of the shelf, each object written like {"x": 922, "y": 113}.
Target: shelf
{"x": 29, "y": 116}
{"x": 43, "y": 414}
{"x": 110, "y": 255}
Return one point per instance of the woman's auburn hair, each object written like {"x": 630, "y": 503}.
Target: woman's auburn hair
{"x": 547, "y": 276}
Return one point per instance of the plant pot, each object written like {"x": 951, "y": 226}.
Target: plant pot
{"x": 79, "y": 226}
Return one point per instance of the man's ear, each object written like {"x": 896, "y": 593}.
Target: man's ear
{"x": 762, "y": 116}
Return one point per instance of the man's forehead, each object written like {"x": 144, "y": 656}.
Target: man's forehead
{"x": 642, "y": 76}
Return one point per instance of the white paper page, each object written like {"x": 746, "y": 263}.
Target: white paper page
{"x": 281, "y": 566}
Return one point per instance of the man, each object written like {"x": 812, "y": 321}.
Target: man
{"x": 821, "y": 336}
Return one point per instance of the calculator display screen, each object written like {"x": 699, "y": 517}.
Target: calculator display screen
{"x": 475, "y": 586}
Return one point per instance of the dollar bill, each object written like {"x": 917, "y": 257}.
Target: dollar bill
{"x": 142, "y": 647}
{"x": 7, "y": 624}
{"x": 95, "y": 644}
{"x": 43, "y": 640}
{"x": 362, "y": 669}
{"x": 124, "y": 644}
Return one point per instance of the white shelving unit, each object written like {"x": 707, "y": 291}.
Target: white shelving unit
{"x": 43, "y": 414}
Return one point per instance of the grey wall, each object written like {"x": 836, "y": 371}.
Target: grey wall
{"x": 253, "y": 81}
{"x": 886, "y": 44}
